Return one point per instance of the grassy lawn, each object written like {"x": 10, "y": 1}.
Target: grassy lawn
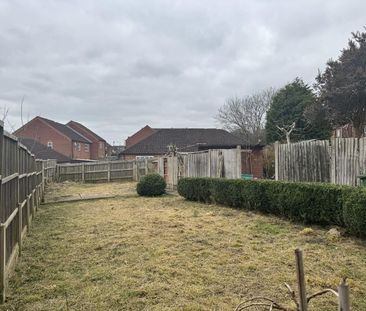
{"x": 131, "y": 253}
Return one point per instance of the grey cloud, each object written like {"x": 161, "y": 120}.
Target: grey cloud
{"x": 119, "y": 65}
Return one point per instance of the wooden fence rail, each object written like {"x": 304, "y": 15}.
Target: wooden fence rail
{"x": 21, "y": 190}
{"x": 339, "y": 161}
{"x": 104, "y": 171}
{"x": 219, "y": 163}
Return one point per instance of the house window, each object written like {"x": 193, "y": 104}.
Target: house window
{"x": 141, "y": 158}
{"x": 338, "y": 134}
{"x": 100, "y": 145}
{"x": 50, "y": 144}
{"x": 79, "y": 146}
{"x": 86, "y": 147}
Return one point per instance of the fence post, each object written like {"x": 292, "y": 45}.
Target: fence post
{"x": 2, "y": 262}
{"x": 43, "y": 178}
{"x": 109, "y": 172}
{"x": 134, "y": 170}
{"x": 238, "y": 161}
{"x": 20, "y": 225}
{"x": 209, "y": 163}
{"x": 276, "y": 146}
{"x": 301, "y": 280}
{"x": 146, "y": 167}
{"x": 343, "y": 296}
{"x": 20, "y": 229}
{"x": 2, "y": 227}
{"x": 28, "y": 212}
{"x": 82, "y": 172}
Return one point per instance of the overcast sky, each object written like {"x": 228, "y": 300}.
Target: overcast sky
{"x": 116, "y": 66}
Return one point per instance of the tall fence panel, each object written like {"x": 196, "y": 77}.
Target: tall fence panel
{"x": 303, "y": 161}
{"x": 340, "y": 162}
{"x": 21, "y": 190}
{"x": 224, "y": 163}
{"x": 362, "y": 158}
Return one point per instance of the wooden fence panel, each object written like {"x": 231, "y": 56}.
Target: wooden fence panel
{"x": 210, "y": 163}
{"x": 21, "y": 190}
{"x": 340, "y": 162}
{"x": 345, "y": 161}
{"x": 362, "y": 158}
{"x": 106, "y": 171}
{"x": 232, "y": 163}
{"x": 307, "y": 161}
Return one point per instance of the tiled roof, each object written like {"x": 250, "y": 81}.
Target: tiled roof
{"x": 41, "y": 151}
{"x": 87, "y": 129}
{"x": 186, "y": 139}
{"x": 67, "y": 131}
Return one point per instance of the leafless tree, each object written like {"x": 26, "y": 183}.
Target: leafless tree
{"x": 287, "y": 130}
{"x": 4, "y": 113}
{"x": 246, "y": 116}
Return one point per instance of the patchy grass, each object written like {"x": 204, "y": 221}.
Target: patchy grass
{"x": 69, "y": 188}
{"x": 166, "y": 253}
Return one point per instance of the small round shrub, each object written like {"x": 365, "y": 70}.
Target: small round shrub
{"x": 151, "y": 185}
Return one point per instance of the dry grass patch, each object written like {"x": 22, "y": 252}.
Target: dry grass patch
{"x": 70, "y": 188}
{"x": 169, "y": 254}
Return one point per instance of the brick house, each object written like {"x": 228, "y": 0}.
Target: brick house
{"x": 98, "y": 148}
{"x": 149, "y": 142}
{"x": 42, "y": 151}
{"x": 139, "y": 135}
{"x": 57, "y": 136}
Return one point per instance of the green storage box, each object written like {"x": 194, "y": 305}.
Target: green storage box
{"x": 248, "y": 176}
{"x": 363, "y": 180}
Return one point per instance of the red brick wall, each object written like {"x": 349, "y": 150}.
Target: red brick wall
{"x": 97, "y": 148}
{"x": 79, "y": 150}
{"x": 128, "y": 157}
{"x": 252, "y": 162}
{"x": 43, "y": 133}
{"x": 139, "y": 135}
{"x": 257, "y": 163}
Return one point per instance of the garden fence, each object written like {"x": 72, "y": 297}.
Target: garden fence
{"x": 106, "y": 171}
{"x": 21, "y": 190}
{"x": 218, "y": 163}
{"x": 339, "y": 161}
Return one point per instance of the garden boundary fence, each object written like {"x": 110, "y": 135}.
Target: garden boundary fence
{"x": 339, "y": 161}
{"x": 22, "y": 185}
{"x": 217, "y": 163}
{"x": 106, "y": 171}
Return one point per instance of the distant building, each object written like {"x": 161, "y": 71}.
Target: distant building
{"x": 63, "y": 138}
{"x": 98, "y": 148}
{"x": 150, "y": 142}
{"x": 346, "y": 131}
{"x": 42, "y": 151}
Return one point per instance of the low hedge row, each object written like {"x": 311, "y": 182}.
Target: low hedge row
{"x": 311, "y": 203}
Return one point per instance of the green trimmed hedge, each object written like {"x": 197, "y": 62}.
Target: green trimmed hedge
{"x": 310, "y": 203}
{"x": 151, "y": 185}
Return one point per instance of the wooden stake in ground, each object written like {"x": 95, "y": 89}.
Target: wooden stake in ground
{"x": 343, "y": 297}
{"x": 303, "y": 303}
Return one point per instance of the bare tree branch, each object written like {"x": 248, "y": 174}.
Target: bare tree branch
{"x": 287, "y": 131}
{"x": 246, "y": 116}
{"x": 325, "y": 291}
{"x": 21, "y": 110}
{"x": 5, "y": 113}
